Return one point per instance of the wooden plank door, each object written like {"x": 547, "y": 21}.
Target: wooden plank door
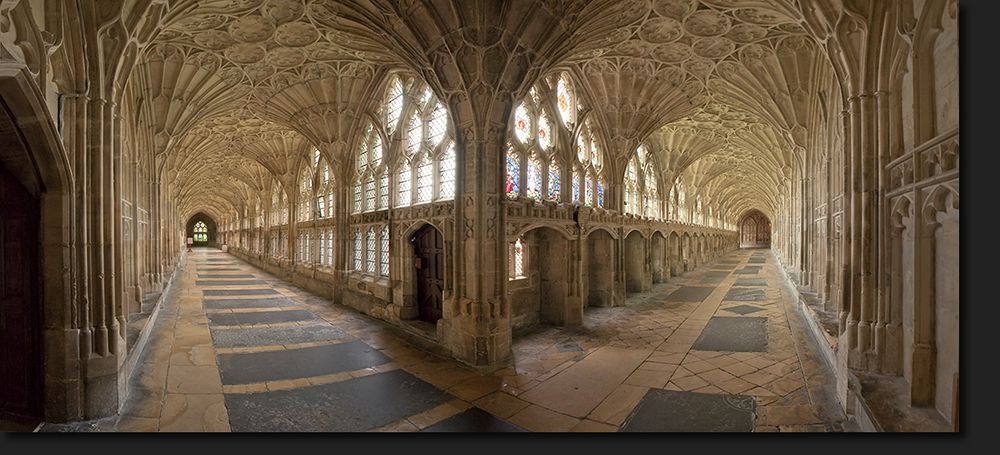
{"x": 428, "y": 246}
{"x": 20, "y": 353}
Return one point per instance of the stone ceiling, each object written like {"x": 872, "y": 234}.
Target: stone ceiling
{"x": 721, "y": 91}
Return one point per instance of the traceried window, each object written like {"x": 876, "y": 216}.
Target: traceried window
{"x": 384, "y": 251}
{"x": 517, "y": 258}
{"x": 641, "y": 185}
{"x": 329, "y": 248}
{"x": 371, "y": 184}
{"x": 279, "y": 205}
{"x": 200, "y": 232}
{"x": 532, "y": 161}
{"x": 371, "y": 250}
{"x": 393, "y": 104}
{"x": 305, "y": 209}
{"x": 358, "y": 251}
{"x": 589, "y": 165}
{"x": 426, "y": 170}
{"x": 324, "y": 190}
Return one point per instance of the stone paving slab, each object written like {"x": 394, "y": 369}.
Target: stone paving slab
{"x": 674, "y": 411}
{"x": 229, "y": 283}
{"x": 267, "y": 336}
{"x": 743, "y": 294}
{"x": 247, "y": 368}
{"x": 690, "y": 293}
{"x": 748, "y": 270}
{"x": 743, "y": 309}
{"x": 473, "y": 420}
{"x": 356, "y": 405}
{"x": 224, "y": 304}
{"x": 261, "y": 317}
{"x": 222, "y": 275}
{"x": 219, "y": 269}
{"x": 750, "y": 282}
{"x": 737, "y": 334}
{"x": 754, "y": 260}
{"x": 218, "y": 292}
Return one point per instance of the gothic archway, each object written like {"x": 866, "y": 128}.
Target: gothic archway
{"x": 755, "y": 230}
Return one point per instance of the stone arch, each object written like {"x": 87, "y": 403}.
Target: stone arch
{"x": 44, "y": 168}
{"x": 598, "y": 271}
{"x": 403, "y": 252}
{"x": 675, "y": 256}
{"x": 755, "y": 230}
{"x": 658, "y": 257}
{"x": 213, "y": 230}
{"x": 935, "y": 323}
{"x": 542, "y": 293}
{"x": 636, "y": 259}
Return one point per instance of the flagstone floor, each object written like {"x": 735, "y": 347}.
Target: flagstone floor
{"x": 721, "y": 348}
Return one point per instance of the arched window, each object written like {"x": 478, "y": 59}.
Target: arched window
{"x": 324, "y": 190}
{"x": 590, "y": 160}
{"x": 426, "y": 170}
{"x": 371, "y": 182}
{"x": 532, "y": 152}
{"x": 305, "y": 209}
{"x": 371, "y": 249}
{"x": 517, "y": 257}
{"x": 200, "y": 232}
{"x": 358, "y": 251}
{"x": 383, "y": 269}
{"x": 279, "y": 205}
{"x": 641, "y": 185}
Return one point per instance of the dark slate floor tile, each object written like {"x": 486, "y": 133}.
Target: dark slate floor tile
{"x": 357, "y": 405}
{"x": 748, "y": 270}
{"x": 756, "y": 261}
{"x": 690, "y": 294}
{"x": 267, "y": 336}
{"x": 253, "y": 367}
{"x": 739, "y": 334}
{"x": 262, "y": 317}
{"x": 218, "y": 269}
{"x": 743, "y": 309}
{"x": 269, "y": 302}
{"x": 744, "y": 294}
{"x": 229, "y": 283}
{"x": 223, "y": 275}
{"x": 674, "y": 411}
{"x": 473, "y": 420}
{"x": 750, "y": 282}
{"x": 217, "y": 292}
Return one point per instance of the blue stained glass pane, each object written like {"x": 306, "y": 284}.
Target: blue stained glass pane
{"x": 513, "y": 187}
{"x": 600, "y": 194}
{"x": 576, "y": 187}
{"x": 553, "y": 182}
{"x": 589, "y": 184}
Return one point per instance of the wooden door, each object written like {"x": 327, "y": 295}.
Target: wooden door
{"x": 428, "y": 246}
{"x": 20, "y": 353}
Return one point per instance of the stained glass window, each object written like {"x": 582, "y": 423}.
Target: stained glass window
{"x": 522, "y": 124}
{"x": 513, "y": 187}
{"x": 534, "y": 186}
{"x": 576, "y": 185}
{"x": 200, "y": 232}
{"x": 600, "y": 193}
{"x": 565, "y": 101}
{"x": 544, "y": 132}
{"x": 384, "y": 250}
{"x": 553, "y": 180}
{"x": 589, "y": 187}
{"x": 427, "y": 151}
{"x": 415, "y": 134}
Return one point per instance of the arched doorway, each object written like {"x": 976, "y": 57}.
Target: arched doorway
{"x": 755, "y": 230}
{"x": 428, "y": 251}
{"x": 201, "y": 228}
{"x": 20, "y": 303}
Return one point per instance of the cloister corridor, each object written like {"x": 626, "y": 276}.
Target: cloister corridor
{"x": 236, "y": 349}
